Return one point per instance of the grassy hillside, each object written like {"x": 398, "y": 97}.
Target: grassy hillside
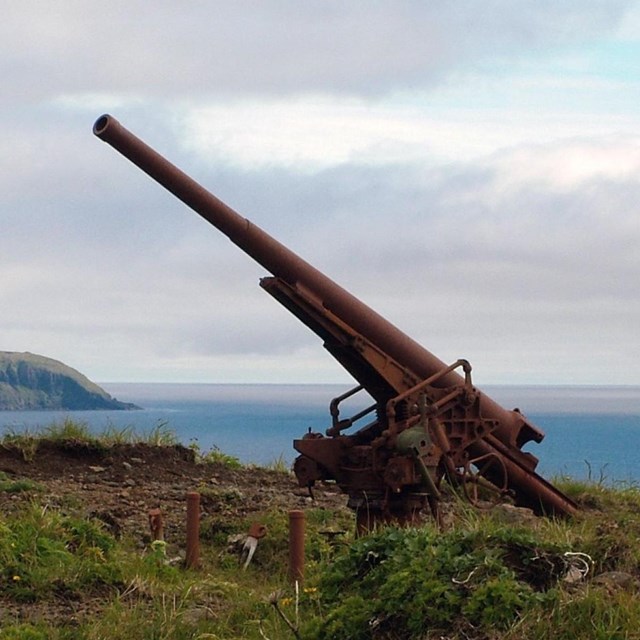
{"x": 30, "y": 381}
{"x": 69, "y": 573}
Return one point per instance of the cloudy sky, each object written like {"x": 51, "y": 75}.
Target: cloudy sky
{"x": 471, "y": 170}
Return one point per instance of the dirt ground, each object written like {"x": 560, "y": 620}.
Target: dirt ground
{"x": 120, "y": 485}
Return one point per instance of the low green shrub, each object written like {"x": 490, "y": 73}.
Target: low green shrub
{"x": 44, "y": 552}
{"x": 423, "y": 579}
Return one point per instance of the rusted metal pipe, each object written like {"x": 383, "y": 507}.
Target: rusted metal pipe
{"x": 272, "y": 255}
{"x": 296, "y": 546}
{"x": 156, "y": 524}
{"x": 285, "y": 264}
{"x": 192, "y": 559}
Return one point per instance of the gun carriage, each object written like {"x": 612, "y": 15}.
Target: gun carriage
{"x": 427, "y": 422}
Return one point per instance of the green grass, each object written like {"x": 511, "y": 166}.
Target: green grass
{"x": 279, "y": 464}
{"x": 47, "y": 555}
{"x": 21, "y": 485}
{"x": 480, "y": 579}
{"x": 43, "y": 552}
{"x": 74, "y": 433}
{"x": 77, "y": 433}
{"x": 160, "y": 436}
{"x": 485, "y": 577}
{"x": 216, "y": 456}
{"x": 26, "y": 442}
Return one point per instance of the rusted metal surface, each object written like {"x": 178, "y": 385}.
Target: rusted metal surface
{"x": 257, "y": 531}
{"x": 156, "y": 524}
{"x": 452, "y": 430}
{"x": 296, "y": 546}
{"x": 192, "y": 558}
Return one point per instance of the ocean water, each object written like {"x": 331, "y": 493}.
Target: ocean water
{"x": 591, "y": 432}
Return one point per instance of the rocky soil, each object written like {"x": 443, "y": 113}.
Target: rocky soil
{"x": 121, "y": 484}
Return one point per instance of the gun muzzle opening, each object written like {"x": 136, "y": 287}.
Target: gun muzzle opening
{"x": 101, "y": 124}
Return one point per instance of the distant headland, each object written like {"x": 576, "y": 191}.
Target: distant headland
{"x": 32, "y": 382}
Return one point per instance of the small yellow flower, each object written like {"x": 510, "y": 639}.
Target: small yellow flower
{"x": 286, "y": 601}
{"x": 310, "y": 589}
{"x": 17, "y": 578}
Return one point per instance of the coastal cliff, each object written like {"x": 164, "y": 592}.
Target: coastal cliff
{"x": 31, "y": 382}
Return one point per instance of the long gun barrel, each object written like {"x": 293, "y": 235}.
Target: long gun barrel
{"x": 329, "y": 310}
{"x": 269, "y": 253}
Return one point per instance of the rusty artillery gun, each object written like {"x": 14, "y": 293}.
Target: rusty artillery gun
{"x": 427, "y": 421}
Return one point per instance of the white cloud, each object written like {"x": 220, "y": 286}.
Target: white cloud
{"x": 497, "y": 262}
{"x": 570, "y": 163}
{"x": 272, "y": 47}
{"x": 462, "y": 167}
{"x": 311, "y": 134}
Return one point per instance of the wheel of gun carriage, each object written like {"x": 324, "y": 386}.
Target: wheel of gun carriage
{"x": 479, "y": 491}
